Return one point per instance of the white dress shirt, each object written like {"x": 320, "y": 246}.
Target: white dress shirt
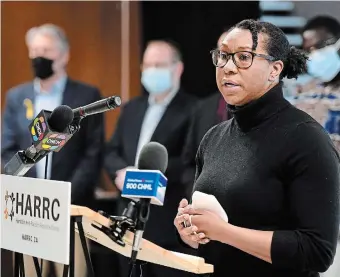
{"x": 152, "y": 117}
{"x": 47, "y": 101}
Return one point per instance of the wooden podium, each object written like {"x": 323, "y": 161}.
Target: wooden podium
{"x": 88, "y": 223}
{"x": 149, "y": 251}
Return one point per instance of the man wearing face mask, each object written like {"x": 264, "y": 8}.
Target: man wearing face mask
{"x": 318, "y": 92}
{"x": 80, "y": 161}
{"x": 162, "y": 116}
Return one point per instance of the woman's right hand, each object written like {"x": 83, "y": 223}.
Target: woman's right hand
{"x": 188, "y": 234}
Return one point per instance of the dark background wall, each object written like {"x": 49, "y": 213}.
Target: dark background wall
{"x": 195, "y": 26}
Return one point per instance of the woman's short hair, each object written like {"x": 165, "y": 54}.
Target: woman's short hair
{"x": 277, "y": 46}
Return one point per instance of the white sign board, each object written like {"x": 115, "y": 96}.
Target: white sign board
{"x": 36, "y": 217}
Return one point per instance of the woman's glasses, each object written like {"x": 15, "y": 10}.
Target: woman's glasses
{"x": 242, "y": 59}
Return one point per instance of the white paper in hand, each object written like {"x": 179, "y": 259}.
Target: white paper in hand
{"x": 208, "y": 202}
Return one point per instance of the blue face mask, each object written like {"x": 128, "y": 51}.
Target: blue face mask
{"x": 157, "y": 80}
{"x": 304, "y": 79}
{"x": 324, "y": 63}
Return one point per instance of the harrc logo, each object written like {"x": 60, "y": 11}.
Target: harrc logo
{"x": 31, "y": 205}
{"x": 9, "y": 200}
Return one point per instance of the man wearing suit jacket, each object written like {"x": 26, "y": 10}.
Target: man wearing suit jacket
{"x": 163, "y": 116}
{"x": 80, "y": 160}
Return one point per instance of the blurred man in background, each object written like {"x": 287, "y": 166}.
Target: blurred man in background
{"x": 162, "y": 116}
{"x": 319, "y": 32}
{"x": 210, "y": 111}
{"x": 80, "y": 160}
{"x": 318, "y": 92}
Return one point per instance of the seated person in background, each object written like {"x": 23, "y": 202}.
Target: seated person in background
{"x": 162, "y": 116}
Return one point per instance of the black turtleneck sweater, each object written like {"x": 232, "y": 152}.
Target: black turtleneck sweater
{"x": 272, "y": 167}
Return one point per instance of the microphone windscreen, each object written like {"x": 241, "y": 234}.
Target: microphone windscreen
{"x": 60, "y": 118}
{"x": 153, "y": 156}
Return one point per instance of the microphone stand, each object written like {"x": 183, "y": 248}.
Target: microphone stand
{"x": 24, "y": 160}
{"x": 134, "y": 218}
{"x": 142, "y": 218}
{"x": 29, "y": 158}
{"x": 39, "y": 274}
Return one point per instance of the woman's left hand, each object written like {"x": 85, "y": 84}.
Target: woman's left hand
{"x": 207, "y": 222}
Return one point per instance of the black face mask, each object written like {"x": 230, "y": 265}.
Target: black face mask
{"x": 42, "y": 67}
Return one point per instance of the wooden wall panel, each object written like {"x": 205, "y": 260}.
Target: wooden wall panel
{"x": 104, "y": 39}
{"x": 95, "y": 33}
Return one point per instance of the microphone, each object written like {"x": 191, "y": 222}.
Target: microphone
{"x": 98, "y": 107}
{"x": 49, "y": 129}
{"x": 147, "y": 184}
{"x": 49, "y": 132}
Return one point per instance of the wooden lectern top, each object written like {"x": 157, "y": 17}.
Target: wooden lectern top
{"x": 149, "y": 251}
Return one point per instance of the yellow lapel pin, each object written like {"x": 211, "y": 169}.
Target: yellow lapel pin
{"x": 29, "y": 108}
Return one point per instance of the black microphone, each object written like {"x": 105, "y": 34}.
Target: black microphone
{"x": 98, "y": 107}
{"x": 49, "y": 129}
{"x": 153, "y": 156}
{"x": 50, "y": 132}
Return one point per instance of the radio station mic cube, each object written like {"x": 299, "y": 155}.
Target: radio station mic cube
{"x": 145, "y": 184}
{"x": 43, "y": 137}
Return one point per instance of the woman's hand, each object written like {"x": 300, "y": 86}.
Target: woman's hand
{"x": 208, "y": 223}
{"x": 212, "y": 227}
{"x": 188, "y": 234}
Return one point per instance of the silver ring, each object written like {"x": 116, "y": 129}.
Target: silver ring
{"x": 190, "y": 216}
{"x": 185, "y": 224}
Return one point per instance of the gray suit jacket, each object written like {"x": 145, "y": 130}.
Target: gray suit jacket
{"x": 80, "y": 160}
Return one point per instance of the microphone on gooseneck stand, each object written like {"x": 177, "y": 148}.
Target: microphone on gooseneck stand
{"x": 49, "y": 132}
{"x": 148, "y": 184}
{"x": 100, "y": 106}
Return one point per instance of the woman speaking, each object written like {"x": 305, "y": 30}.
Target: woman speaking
{"x": 272, "y": 167}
